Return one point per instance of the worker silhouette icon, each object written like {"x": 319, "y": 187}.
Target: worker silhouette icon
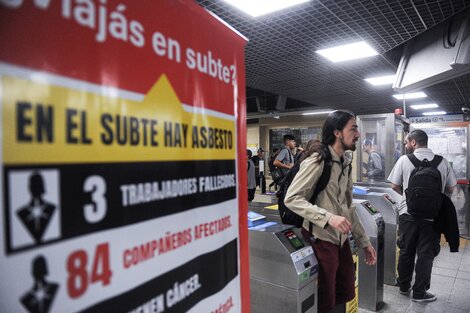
{"x": 40, "y": 297}
{"x": 37, "y": 214}
{"x": 34, "y": 207}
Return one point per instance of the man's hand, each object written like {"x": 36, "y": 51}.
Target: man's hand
{"x": 340, "y": 223}
{"x": 371, "y": 255}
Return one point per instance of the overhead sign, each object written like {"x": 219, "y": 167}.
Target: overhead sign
{"x": 436, "y": 119}
{"x": 120, "y": 158}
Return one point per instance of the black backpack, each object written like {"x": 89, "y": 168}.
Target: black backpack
{"x": 271, "y": 162}
{"x": 289, "y": 217}
{"x": 424, "y": 194}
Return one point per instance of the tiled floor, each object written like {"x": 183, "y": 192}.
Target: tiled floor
{"x": 450, "y": 282}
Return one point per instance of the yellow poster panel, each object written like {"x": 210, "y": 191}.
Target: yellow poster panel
{"x": 50, "y": 124}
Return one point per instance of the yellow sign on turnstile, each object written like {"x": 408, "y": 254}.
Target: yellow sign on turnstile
{"x": 353, "y": 305}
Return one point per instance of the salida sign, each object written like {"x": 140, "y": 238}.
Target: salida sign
{"x": 119, "y": 158}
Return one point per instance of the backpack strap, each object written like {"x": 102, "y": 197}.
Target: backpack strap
{"x": 413, "y": 159}
{"x": 291, "y": 156}
{"x": 322, "y": 182}
{"x": 436, "y": 161}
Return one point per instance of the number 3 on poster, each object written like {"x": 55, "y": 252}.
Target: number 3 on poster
{"x": 94, "y": 212}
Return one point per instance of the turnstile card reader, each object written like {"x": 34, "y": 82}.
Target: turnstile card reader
{"x": 371, "y": 278}
{"x": 283, "y": 271}
{"x": 389, "y": 210}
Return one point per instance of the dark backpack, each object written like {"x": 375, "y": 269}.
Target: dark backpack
{"x": 424, "y": 194}
{"x": 271, "y": 162}
{"x": 289, "y": 217}
{"x": 271, "y": 165}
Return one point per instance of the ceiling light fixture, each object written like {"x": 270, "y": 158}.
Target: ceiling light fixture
{"x": 382, "y": 80}
{"x": 435, "y": 113}
{"x": 424, "y": 106}
{"x": 351, "y": 51}
{"x": 413, "y": 95}
{"x": 317, "y": 113}
{"x": 261, "y": 7}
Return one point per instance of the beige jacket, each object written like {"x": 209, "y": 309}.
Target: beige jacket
{"x": 336, "y": 199}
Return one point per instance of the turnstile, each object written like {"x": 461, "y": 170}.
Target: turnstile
{"x": 382, "y": 187}
{"x": 371, "y": 278}
{"x": 389, "y": 210}
{"x": 283, "y": 271}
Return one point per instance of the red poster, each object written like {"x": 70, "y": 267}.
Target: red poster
{"x": 122, "y": 145}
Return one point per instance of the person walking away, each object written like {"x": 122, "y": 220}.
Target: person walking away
{"x": 332, "y": 215}
{"x": 251, "y": 176}
{"x": 417, "y": 235}
{"x": 259, "y": 171}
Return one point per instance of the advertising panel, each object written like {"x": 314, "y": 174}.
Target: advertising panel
{"x": 121, "y": 131}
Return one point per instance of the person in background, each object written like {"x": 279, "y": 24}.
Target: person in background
{"x": 333, "y": 217}
{"x": 272, "y": 167}
{"x": 375, "y": 166}
{"x": 251, "y": 176}
{"x": 259, "y": 172}
{"x": 417, "y": 236}
{"x": 285, "y": 159}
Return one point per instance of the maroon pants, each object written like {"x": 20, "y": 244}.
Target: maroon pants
{"x": 336, "y": 273}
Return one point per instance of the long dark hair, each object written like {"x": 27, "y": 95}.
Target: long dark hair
{"x": 313, "y": 146}
{"x": 336, "y": 120}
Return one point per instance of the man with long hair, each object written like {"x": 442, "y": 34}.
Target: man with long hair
{"x": 333, "y": 217}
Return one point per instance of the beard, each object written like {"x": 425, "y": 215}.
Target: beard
{"x": 346, "y": 147}
{"x": 410, "y": 150}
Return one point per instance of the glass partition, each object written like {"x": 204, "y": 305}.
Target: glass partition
{"x": 399, "y": 141}
{"x": 373, "y": 144}
{"x": 382, "y": 138}
{"x": 451, "y": 143}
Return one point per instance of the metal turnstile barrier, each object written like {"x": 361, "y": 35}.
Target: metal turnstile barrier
{"x": 371, "y": 278}
{"x": 389, "y": 210}
{"x": 283, "y": 271}
{"x": 381, "y": 187}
